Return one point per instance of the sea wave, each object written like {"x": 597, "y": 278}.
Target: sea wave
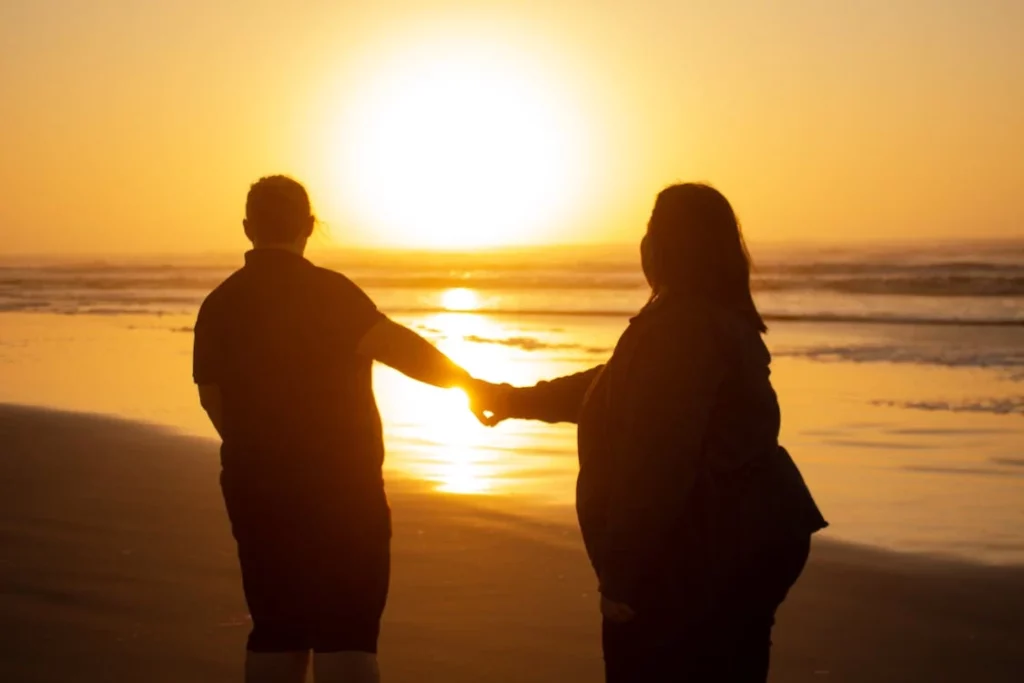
{"x": 1009, "y": 358}
{"x": 885, "y": 319}
{"x": 185, "y": 305}
{"x": 1012, "y": 405}
{"x": 934, "y": 279}
{"x": 971, "y": 292}
{"x": 809, "y": 317}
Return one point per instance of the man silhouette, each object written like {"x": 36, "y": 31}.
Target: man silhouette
{"x": 283, "y": 355}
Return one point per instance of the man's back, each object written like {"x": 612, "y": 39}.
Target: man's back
{"x": 283, "y": 358}
{"x": 279, "y": 339}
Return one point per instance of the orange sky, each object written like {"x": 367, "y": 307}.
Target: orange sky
{"x": 134, "y": 126}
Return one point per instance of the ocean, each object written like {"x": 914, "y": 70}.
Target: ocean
{"x": 900, "y": 369}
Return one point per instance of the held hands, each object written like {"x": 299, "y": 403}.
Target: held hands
{"x": 489, "y": 402}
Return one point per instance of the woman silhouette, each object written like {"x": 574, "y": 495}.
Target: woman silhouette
{"x": 696, "y": 521}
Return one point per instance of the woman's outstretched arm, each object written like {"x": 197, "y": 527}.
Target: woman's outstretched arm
{"x": 556, "y": 400}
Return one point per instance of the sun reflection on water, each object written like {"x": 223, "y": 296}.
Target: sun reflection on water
{"x": 460, "y": 299}
{"x": 432, "y": 435}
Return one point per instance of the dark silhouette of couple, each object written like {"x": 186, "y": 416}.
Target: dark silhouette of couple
{"x": 696, "y": 521}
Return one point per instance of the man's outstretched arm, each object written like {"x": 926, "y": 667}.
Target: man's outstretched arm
{"x": 399, "y": 347}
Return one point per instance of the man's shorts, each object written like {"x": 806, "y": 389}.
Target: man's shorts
{"x": 315, "y": 578}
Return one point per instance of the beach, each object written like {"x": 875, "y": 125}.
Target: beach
{"x": 899, "y": 379}
{"x": 118, "y": 565}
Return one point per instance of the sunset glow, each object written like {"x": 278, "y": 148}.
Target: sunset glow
{"x": 458, "y": 124}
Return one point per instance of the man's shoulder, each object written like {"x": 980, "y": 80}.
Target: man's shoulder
{"x": 223, "y": 291}
{"x": 335, "y": 282}
{"x": 331, "y": 276}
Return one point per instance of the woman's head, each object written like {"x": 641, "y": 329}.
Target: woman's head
{"x": 694, "y": 246}
{"x": 278, "y": 212}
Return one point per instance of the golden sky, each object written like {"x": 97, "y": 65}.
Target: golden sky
{"x": 133, "y": 126}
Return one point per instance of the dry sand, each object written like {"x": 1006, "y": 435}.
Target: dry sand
{"x": 117, "y": 565}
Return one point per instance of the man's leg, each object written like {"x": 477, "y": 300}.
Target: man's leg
{"x": 352, "y": 590}
{"x": 345, "y": 667}
{"x": 279, "y": 645}
{"x": 276, "y": 667}
{"x": 271, "y": 560}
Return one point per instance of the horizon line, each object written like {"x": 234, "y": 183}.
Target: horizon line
{"x": 523, "y": 249}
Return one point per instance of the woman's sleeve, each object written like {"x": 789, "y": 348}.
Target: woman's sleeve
{"x": 556, "y": 400}
{"x": 667, "y": 394}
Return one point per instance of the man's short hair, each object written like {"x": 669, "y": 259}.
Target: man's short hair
{"x": 277, "y": 209}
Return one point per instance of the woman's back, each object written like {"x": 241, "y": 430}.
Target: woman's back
{"x": 690, "y": 382}
{"x": 751, "y": 488}
{"x": 745, "y": 419}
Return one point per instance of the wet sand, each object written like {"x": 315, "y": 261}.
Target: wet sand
{"x": 118, "y": 565}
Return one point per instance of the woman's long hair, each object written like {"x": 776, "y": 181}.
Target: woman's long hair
{"x": 695, "y": 248}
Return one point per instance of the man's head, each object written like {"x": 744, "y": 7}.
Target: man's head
{"x": 278, "y": 214}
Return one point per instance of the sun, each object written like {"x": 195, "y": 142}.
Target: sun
{"x": 459, "y": 146}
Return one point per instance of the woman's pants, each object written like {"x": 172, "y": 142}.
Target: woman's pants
{"x": 727, "y": 642}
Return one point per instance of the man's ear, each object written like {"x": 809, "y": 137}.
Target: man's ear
{"x": 245, "y": 226}
{"x": 310, "y": 226}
